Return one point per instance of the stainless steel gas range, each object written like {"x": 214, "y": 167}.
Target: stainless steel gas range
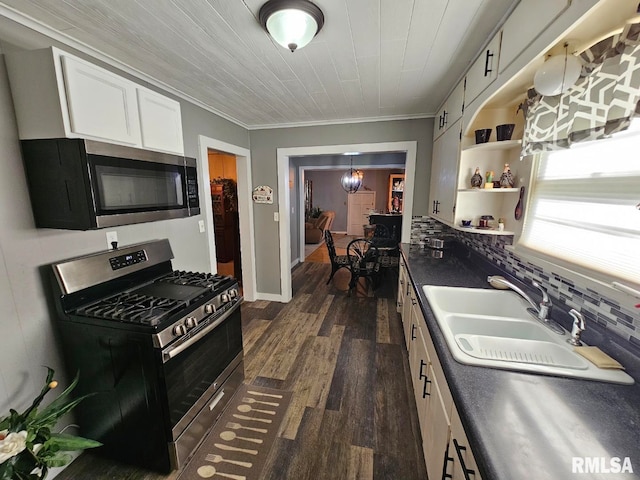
{"x": 160, "y": 350}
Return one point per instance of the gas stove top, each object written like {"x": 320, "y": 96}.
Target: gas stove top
{"x": 154, "y": 303}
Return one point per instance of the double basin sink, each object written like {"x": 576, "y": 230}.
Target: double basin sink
{"x": 493, "y": 328}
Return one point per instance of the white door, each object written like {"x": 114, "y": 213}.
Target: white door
{"x": 359, "y": 205}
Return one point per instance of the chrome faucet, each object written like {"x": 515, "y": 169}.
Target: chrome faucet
{"x": 541, "y": 311}
{"x": 577, "y": 328}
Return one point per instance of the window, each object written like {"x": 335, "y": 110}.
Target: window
{"x": 584, "y": 208}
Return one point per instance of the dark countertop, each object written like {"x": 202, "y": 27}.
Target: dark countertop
{"x": 521, "y": 425}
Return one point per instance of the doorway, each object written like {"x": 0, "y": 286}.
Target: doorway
{"x": 245, "y": 209}
{"x": 223, "y": 181}
{"x": 283, "y": 162}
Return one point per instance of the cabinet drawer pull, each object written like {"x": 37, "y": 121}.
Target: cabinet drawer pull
{"x": 422, "y": 364}
{"x": 466, "y": 471}
{"x": 487, "y": 68}
{"x": 413, "y": 329}
{"x": 426, "y": 382}
{"x": 447, "y": 459}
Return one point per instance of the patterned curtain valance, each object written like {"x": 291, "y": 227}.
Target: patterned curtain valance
{"x": 602, "y": 101}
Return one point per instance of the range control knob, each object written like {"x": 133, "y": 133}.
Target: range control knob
{"x": 209, "y": 308}
{"x": 224, "y": 298}
{"x": 191, "y": 322}
{"x": 179, "y": 330}
{"x": 233, "y": 293}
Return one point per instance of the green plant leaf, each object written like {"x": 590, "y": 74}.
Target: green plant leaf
{"x": 58, "y": 460}
{"x": 70, "y": 443}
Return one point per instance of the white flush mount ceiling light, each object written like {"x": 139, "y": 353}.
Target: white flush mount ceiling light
{"x": 558, "y": 74}
{"x": 351, "y": 180}
{"x": 291, "y": 23}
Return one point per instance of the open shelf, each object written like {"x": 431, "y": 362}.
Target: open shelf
{"x": 482, "y": 231}
{"x": 502, "y": 145}
{"x": 489, "y": 190}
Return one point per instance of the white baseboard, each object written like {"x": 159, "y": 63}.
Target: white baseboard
{"x": 270, "y": 297}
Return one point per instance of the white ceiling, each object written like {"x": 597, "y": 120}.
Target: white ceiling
{"x": 374, "y": 59}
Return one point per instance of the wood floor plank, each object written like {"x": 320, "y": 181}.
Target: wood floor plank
{"x": 360, "y": 463}
{"x": 312, "y": 380}
{"x": 252, "y": 333}
{"x": 352, "y": 389}
{"x": 382, "y": 322}
{"x": 285, "y": 351}
{"x": 391, "y": 423}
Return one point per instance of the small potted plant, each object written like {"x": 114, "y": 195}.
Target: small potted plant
{"x": 28, "y": 447}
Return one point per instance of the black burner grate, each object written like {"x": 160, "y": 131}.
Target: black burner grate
{"x": 135, "y": 308}
{"x": 196, "y": 279}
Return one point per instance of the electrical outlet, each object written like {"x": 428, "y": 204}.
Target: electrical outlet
{"x": 201, "y": 226}
{"x": 111, "y": 237}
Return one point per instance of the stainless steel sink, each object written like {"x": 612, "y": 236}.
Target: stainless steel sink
{"x": 493, "y": 328}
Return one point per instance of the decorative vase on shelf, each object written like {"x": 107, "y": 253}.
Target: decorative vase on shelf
{"x": 476, "y": 179}
{"x": 506, "y": 179}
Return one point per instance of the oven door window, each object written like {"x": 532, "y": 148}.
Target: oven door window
{"x": 127, "y": 186}
{"x": 189, "y": 374}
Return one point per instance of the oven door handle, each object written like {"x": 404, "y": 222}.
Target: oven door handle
{"x": 172, "y": 352}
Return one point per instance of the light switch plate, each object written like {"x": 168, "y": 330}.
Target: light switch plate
{"x": 276, "y": 217}
{"x": 201, "y": 226}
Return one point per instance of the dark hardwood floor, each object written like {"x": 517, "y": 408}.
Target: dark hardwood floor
{"x": 352, "y": 414}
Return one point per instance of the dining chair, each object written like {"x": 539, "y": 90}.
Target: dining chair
{"x": 363, "y": 262}
{"x": 337, "y": 261}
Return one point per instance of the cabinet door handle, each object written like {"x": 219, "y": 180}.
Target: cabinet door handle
{"x": 466, "y": 471}
{"x": 488, "y": 69}
{"x": 447, "y": 459}
{"x": 444, "y": 118}
{"x": 426, "y": 382}
{"x": 413, "y": 329}
{"x": 422, "y": 364}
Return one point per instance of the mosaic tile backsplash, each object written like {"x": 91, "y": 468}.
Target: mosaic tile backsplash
{"x": 594, "y": 306}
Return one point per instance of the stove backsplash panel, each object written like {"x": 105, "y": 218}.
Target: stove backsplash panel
{"x": 593, "y": 305}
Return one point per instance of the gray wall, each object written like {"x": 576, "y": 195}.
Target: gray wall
{"x": 28, "y": 333}
{"x": 264, "y": 145}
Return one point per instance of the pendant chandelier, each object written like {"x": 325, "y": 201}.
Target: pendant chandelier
{"x": 351, "y": 180}
{"x": 291, "y": 23}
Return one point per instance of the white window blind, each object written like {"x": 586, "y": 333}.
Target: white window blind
{"x": 584, "y": 207}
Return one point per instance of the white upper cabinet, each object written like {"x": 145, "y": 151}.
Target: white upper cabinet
{"x": 450, "y": 111}
{"x": 526, "y": 22}
{"x": 101, "y": 105}
{"x": 160, "y": 121}
{"x": 57, "y": 95}
{"x": 444, "y": 171}
{"x": 484, "y": 70}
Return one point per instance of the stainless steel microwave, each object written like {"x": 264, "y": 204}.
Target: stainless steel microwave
{"x": 82, "y": 184}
